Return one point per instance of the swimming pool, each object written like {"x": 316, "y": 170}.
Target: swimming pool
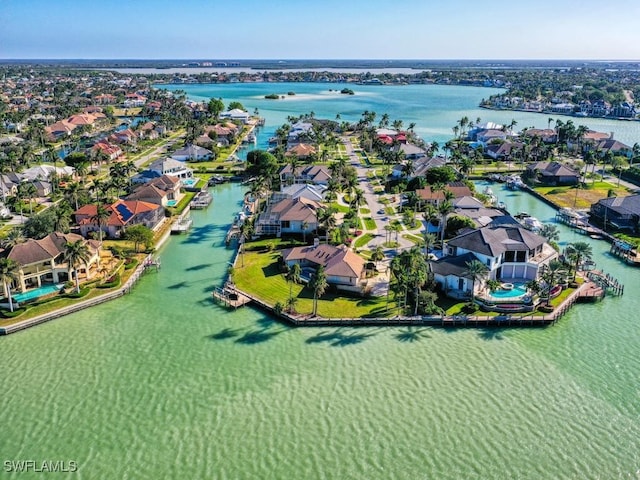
{"x": 518, "y": 290}
{"x": 36, "y": 293}
{"x": 189, "y": 182}
{"x": 172, "y": 203}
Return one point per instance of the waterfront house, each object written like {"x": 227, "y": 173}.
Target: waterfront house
{"x": 288, "y": 216}
{"x": 615, "y": 147}
{"x": 510, "y": 252}
{"x": 552, "y": 173}
{"x": 307, "y": 191}
{"x": 502, "y": 150}
{"x": 159, "y": 191}
{"x": 343, "y": 267}
{"x": 547, "y": 135}
{"x": 315, "y": 174}
{"x": 622, "y": 213}
{"x": 109, "y": 149}
{"x": 302, "y": 151}
{"x": 236, "y": 114}
{"x": 299, "y": 132}
{"x": 192, "y": 153}
{"x": 42, "y": 261}
{"x": 124, "y": 213}
{"x": 435, "y": 197}
{"x": 163, "y": 166}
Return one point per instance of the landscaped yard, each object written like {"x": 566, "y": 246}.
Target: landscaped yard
{"x": 369, "y": 223}
{"x": 260, "y": 277}
{"x": 581, "y": 198}
{"x": 363, "y": 240}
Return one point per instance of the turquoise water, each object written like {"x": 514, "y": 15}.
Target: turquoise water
{"x": 162, "y": 383}
{"x": 518, "y": 290}
{"x": 189, "y": 182}
{"x": 172, "y": 203}
{"x": 36, "y": 293}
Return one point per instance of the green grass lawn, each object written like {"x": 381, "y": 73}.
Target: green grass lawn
{"x": 389, "y": 210}
{"x": 365, "y": 211}
{"x": 414, "y": 238}
{"x": 260, "y": 277}
{"x": 369, "y": 223}
{"x": 363, "y": 240}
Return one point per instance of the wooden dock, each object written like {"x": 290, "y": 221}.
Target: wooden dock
{"x": 230, "y": 297}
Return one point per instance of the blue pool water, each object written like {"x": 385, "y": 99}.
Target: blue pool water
{"x": 519, "y": 289}
{"x": 172, "y": 203}
{"x": 36, "y": 293}
{"x": 189, "y": 182}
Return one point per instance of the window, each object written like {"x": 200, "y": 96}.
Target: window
{"x": 286, "y": 224}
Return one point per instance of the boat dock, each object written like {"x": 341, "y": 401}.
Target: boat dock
{"x": 202, "y": 200}
{"x": 182, "y": 225}
{"x": 230, "y": 297}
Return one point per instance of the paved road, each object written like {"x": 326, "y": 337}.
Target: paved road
{"x": 374, "y": 205}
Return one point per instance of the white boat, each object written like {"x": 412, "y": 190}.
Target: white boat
{"x": 491, "y": 197}
{"x": 529, "y": 222}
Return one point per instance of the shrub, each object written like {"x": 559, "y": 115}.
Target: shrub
{"x": 470, "y": 307}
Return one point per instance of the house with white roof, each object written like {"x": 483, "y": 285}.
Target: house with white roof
{"x": 236, "y": 114}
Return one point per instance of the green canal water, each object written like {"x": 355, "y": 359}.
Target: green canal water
{"x": 163, "y": 383}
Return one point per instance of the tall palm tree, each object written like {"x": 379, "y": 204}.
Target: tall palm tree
{"x": 76, "y": 253}
{"x": 444, "y": 209}
{"x": 293, "y": 276}
{"x": 319, "y": 285}
{"x": 377, "y": 254}
{"x": 8, "y": 273}
{"x": 579, "y": 251}
{"x": 100, "y": 218}
{"x": 477, "y": 271}
{"x": 429, "y": 239}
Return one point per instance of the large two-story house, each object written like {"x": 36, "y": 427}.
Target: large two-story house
{"x": 123, "y": 214}
{"x": 510, "y": 252}
{"x": 43, "y": 261}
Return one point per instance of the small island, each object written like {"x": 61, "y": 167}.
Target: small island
{"x": 347, "y": 91}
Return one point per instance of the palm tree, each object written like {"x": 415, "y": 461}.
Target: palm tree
{"x": 8, "y": 273}
{"x": 444, "y": 209}
{"x": 100, "y": 218}
{"x": 477, "y": 271}
{"x": 377, "y": 255}
{"x": 13, "y": 238}
{"x": 304, "y": 226}
{"x": 549, "y": 232}
{"x": 429, "y": 239}
{"x": 579, "y": 251}
{"x": 319, "y": 285}
{"x": 75, "y": 253}
{"x": 293, "y": 276}
{"x": 550, "y": 275}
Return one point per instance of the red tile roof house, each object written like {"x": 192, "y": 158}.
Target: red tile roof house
{"x": 42, "y": 261}
{"x": 124, "y": 213}
{"x": 343, "y": 267}
{"x": 111, "y": 150}
{"x": 435, "y": 197}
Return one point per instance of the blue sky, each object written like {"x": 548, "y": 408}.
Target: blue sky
{"x": 321, "y": 29}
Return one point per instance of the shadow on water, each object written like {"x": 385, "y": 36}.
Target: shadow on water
{"x": 491, "y": 334}
{"x": 224, "y": 334}
{"x": 195, "y": 268}
{"x": 412, "y": 334}
{"x": 178, "y": 285}
{"x": 200, "y": 234}
{"x": 339, "y": 338}
{"x": 257, "y": 336}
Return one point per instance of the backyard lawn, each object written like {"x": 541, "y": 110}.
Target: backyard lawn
{"x": 261, "y": 277}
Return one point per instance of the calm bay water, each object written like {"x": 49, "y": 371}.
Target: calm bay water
{"x": 165, "y": 384}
